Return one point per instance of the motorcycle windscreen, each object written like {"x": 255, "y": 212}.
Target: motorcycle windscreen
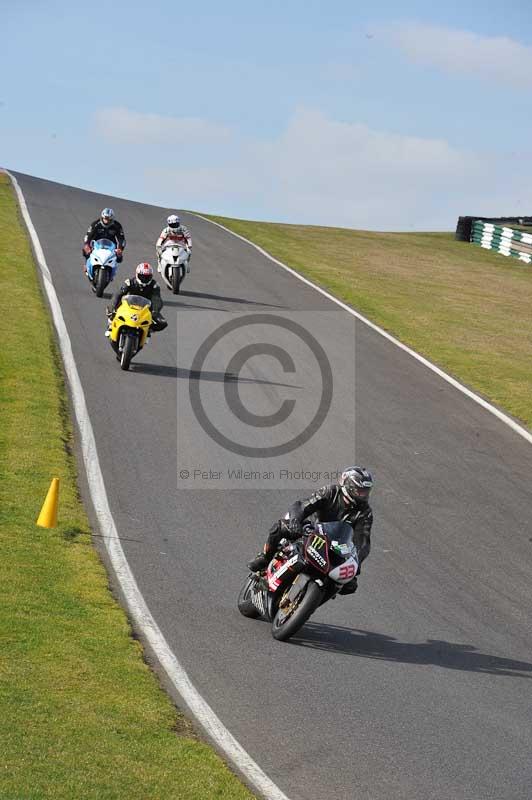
{"x": 340, "y": 535}
{"x": 104, "y": 244}
{"x": 136, "y": 301}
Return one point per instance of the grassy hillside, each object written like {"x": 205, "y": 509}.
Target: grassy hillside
{"x": 466, "y": 309}
{"x": 81, "y": 715}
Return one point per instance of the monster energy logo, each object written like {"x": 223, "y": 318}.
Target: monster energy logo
{"x": 318, "y": 542}
{"x": 316, "y": 556}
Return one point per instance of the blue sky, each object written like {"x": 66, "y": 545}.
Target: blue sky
{"x": 381, "y": 116}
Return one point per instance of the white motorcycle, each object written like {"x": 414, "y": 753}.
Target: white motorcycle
{"x": 173, "y": 265}
{"x": 101, "y": 265}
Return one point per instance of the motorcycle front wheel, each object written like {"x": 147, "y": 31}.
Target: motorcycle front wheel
{"x": 101, "y": 282}
{"x": 289, "y": 619}
{"x": 245, "y": 605}
{"x": 127, "y": 353}
{"x": 176, "y": 279}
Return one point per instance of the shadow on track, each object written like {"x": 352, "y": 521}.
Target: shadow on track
{"x": 217, "y": 377}
{"x": 208, "y": 296}
{"x": 71, "y": 535}
{"x": 177, "y": 304}
{"x": 367, "y": 644}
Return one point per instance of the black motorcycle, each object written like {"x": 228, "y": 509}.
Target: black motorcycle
{"x": 301, "y": 576}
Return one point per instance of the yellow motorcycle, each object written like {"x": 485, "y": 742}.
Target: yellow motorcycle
{"x": 129, "y": 327}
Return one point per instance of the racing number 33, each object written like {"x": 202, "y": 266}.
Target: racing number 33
{"x": 347, "y": 571}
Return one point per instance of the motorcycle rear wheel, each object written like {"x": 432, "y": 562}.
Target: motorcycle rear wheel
{"x": 127, "y": 353}
{"x": 245, "y": 606}
{"x": 285, "y": 625}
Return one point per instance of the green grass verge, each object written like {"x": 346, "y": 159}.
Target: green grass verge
{"x": 464, "y": 308}
{"x": 81, "y": 714}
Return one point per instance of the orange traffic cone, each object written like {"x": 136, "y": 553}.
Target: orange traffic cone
{"x": 48, "y": 516}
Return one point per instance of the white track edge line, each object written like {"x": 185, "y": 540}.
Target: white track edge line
{"x": 134, "y": 599}
{"x": 457, "y": 385}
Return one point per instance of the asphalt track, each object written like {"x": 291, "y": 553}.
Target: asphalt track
{"x": 417, "y": 687}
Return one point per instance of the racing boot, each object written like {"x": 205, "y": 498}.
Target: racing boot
{"x": 349, "y": 588}
{"x": 275, "y": 535}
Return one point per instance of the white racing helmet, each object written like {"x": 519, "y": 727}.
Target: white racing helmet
{"x": 144, "y": 273}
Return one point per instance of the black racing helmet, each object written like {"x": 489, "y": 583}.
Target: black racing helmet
{"x": 356, "y": 484}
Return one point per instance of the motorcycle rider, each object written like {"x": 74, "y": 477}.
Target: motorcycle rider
{"x": 143, "y": 284}
{"x": 347, "y": 500}
{"x": 106, "y": 227}
{"x": 176, "y": 232}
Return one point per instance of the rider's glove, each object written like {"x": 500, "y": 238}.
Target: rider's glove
{"x": 294, "y": 527}
{"x": 119, "y": 251}
{"x": 87, "y": 249}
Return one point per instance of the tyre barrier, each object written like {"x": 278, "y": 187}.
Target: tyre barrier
{"x": 503, "y": 240}
{"x": 464, "y": 226}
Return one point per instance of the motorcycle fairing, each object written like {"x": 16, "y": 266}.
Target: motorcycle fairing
{"x": 345, "y": 571}
{"x": 275, "y": 573}
{"x": 134, "y": 315}
{"x": 172, "y": 256}
{"x": 317, "y": 551}
{"x": 103, "y": 254}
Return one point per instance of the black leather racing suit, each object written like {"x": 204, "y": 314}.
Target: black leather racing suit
{"x": 327, "y": 504}
{"x": 97, "y": 230}
{"x": 151, "y": 291}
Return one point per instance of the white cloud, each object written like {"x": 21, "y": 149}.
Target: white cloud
{"x": 123, "y": 126}
{"x": 493, "y": 58}
{"x": 322, "y": 171}
{"x": 348, "y": 174}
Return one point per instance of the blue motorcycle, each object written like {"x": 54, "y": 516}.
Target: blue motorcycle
{"x": 101, "y": 265}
